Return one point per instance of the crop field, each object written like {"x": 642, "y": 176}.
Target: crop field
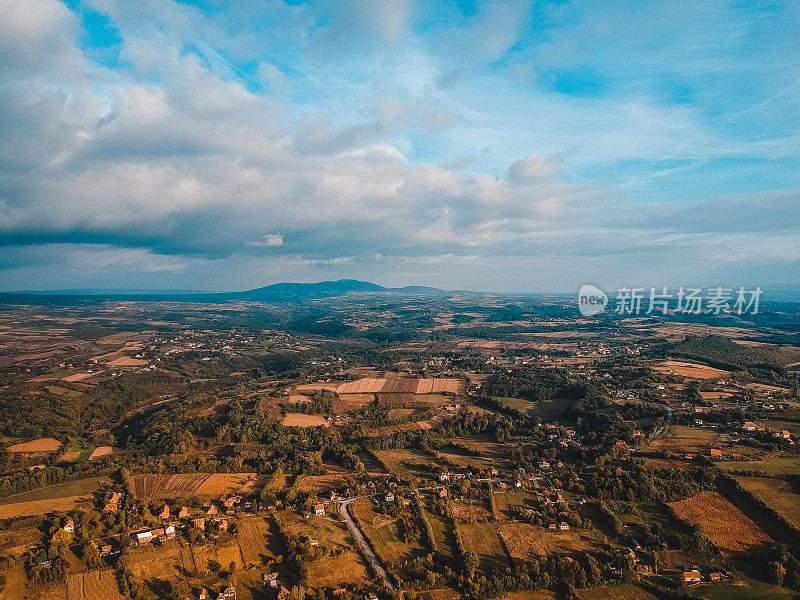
{"x": 680, "y": 439}
{"x": 770, "y": 465}
{"x": 408, "y": 463}
{"x": 42, "y": 445}
{"x": 482, "y": 539}
{"x": 442, "y": 534}
{"x": 14, "y": 542}
{"x": 155, "y": 487}
{"x": 219, "y": 484}
{"x": 777, "y": 494}
{"x": 62, "y": 497}
{"x": 329, "y": 532}
{"x": 722, "y": 523}
{"x": 790, "y": 426}
{"x": 303, "y": 420}
{"x": 689, "y": 370}
{"x": 333, "y": 479}
{"x": 254, "y": 537}
{"x": 468, "y": 512}
{"x": 382, "y": 533}
{"x": 93, "y": 585}
{"x": 743, "y": 588}
{"x": 397, "y": 385}
{"x": 345, "y": 569}
{"x": 351, "y": 402}
{"x": 101, "y": 452}
{"x": 506, "y": 502}
{"x": 524, "y": 540}
{"x": 617, "y": 592}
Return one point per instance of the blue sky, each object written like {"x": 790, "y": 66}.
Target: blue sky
{"x": 509, "y": 146}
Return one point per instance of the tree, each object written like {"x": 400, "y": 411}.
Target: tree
{"x": 778, "y": 573}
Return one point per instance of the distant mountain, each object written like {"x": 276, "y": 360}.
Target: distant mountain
{"x": 278, "y": 292}
{"x": 322, "y": 289}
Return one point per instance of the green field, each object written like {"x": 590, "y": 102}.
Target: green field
{"x": 81, "y": 487}
{"x": 775, "y": 493}
{"x": 749, "y": 590}
{"x": 768, "y": 466}
{"x": 551, "y": 410}
{"x": 790, "y": 426}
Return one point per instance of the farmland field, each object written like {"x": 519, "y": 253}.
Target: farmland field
{"x": 690, "y": 370}
{"x": 61, "y": 497}
{"x": 253, "y": 535}
{"x": 482, "y": 539}
{"x": 617, "y": 592}
{"x": 93, "y": 585}
{"x": 408, "y": 463}
{"x": 155, "y": 487}
{"x": 771, "y": 465}
{"x": 777, "y": 494}
{"x": 724, "y": 524}
{"x": 303, "y": 420}
{"x": 742, "y": 589}
{"x": 43, "y": 445}
{"x": 523, "y": 540}
{"x": 345, "y": 569}
{"x": 382, "y": 533}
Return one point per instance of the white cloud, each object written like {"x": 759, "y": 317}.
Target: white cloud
{"x": 269, "y": 240}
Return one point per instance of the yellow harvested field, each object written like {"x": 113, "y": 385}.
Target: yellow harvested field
{"x": 127, "y": 361}
{"x": 36, "y": 446}
{"x": 524, "y": 541}
{"x": 101, "y": 452}
{"x": 295, "y": 398}
{"x": 78, "y": 377}
{"x": 690, "y": 370}
{"x": 721, "y": 522}
{"x": 219, "y": 484}
{"x": 93, "y": 585}
{"x": 346, "y": 569}
{"x": 303, "y": 420}
{"x": 153, "y": 487}
{"x": 40, "y": 507}
{"x": 367, "y": 385}
{"x": 253, "y": 536}
{"x": 396, "y": 385}
{"x": 314, "y": 387}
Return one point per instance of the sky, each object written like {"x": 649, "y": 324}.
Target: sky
{"x": 509, "y": 146}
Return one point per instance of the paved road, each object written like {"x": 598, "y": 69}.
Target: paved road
{"x": 362, "y": 541}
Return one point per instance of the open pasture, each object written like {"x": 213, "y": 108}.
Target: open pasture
{"x": 689, "y": 370}
{"x": 40, "y": 446}
{"x": 303, "y": 420}
{"x": 93, "y": 585}
{"x": 482, "y": 539}
{"x": 775, "y": 493}
{"x": 721, "y": 522}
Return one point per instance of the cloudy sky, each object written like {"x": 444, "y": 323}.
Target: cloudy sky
{"x": 507, "y": 146}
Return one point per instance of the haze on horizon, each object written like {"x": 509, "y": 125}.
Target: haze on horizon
{"x": 505, "y": 146}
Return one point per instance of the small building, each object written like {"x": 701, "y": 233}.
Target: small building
{"x": 319, "y": 510}
{"x": 715, "y": 452}
{"x": 444, "y": 477}
{"x": 69, "y": 526}
{"x": 749, "y": 426}
{"x": 714, "y": 576}
{"x": 389, "y": 497}
{"x": 142, "y": 537}
{"x": 493, "y": 472}
{"x": 552, "y": 526}
{"x": 164, "y": 514}
{"x": 203, "y": 595}
{"x": 183, "y": 512}
{"x": 199, "y": 523}
{"x": 223, "y": 524}
{"x": 691, "y": 576}
{"x": 211, "y": 510}
{"x": 563, "y": 526}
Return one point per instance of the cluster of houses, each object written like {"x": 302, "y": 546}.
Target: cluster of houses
{"x": 210, "y": 514}
{"x": 227, "y": 593}
{"x": 693, "y": 576}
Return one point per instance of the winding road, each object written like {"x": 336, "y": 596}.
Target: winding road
{"x": 362, "y": 541}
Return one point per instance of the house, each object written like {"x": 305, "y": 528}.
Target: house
{"x": 750, "y": 426}
{"x": 319, "y": 510}
{"x": 142, "y": 537}
{"x": 199, "y": 523}
{"x": 691, "y": 576}
{"x": 716, "y": 452}
{"x": 69, "y": 526}
{"x": 785, "y": 434}
{"x": 183, "y": 512}
{"x": 563, "y": 526}
{"x": 211, "y": 510}
{"x": 714, "y": 576}
{"x": 105, "y": 550}
{"x": 203, "y": 594}
{"x": 164, "y": 515}
{"x": 493, "y": 472}
{"x": 389, "y": 497}
{"x": 552, "y": 526}
{"x": 223, "y": 524}
{"x": 444, "y": 477}
{"x": 229, "y": 593}
{"x": 371, "y": 596}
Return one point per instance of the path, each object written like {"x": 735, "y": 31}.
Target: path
{"x": 362, "y": 541}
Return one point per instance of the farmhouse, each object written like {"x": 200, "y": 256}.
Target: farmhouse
{"x": 69, "y": 526}
{"x": 750, "y": 426}
{"x": 715, "y": 452}
{"x": 389, "y": 497}
{"x": 691, "y": 576}
{"x": 142, "y": 537}
{"x": 319, "y": 510}
{"x": 164, "y": 513}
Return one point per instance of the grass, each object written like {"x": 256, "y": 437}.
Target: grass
{"x": 790, "y": 426}
{"x": 482, "y": 539}
{"x": 516, "y": 403}
{"x": 769, "y": 466}
{"x": 80, "y": 487}
{"x": 745, "y": 589}
{"x": 777, "y": 494}
{"x": 550, "y": 410}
